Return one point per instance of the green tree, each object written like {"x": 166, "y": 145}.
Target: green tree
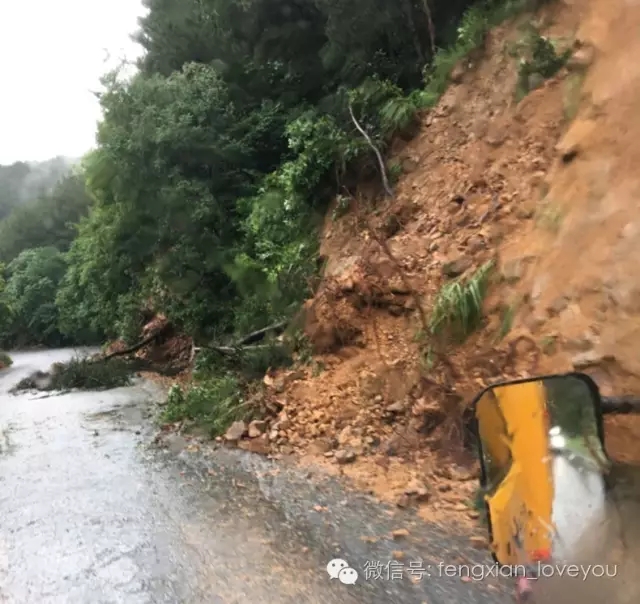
{"x": 30, "y": 293}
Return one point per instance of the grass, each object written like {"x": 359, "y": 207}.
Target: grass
{"x": 457, "y": 310}
{"x": 571, "y": 95}
{"x": 549, "y": 217}
{"x": 476, "y": 23}
{"x": 214, "y": 403}
{"x": 458, "y": 306}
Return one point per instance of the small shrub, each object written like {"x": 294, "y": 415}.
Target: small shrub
{"x": 214, "y": 403}
{"x": 5, "y": 360}
{"x": 539, "y": 60}
{"x": 85, "y": 374}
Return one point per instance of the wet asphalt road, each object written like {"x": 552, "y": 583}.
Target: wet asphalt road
{"x": 89, "y": 513}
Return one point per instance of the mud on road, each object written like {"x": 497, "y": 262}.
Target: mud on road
{"x": 93, "y": 512}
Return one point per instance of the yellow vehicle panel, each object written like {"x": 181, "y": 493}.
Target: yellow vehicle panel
{"x": 514, "y": 435}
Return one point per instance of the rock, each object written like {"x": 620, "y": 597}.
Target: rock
{"x": 283, "y": 423}
{"x": 400, "y": 533}
{"x": 236, "y": 431}
{"x": 345, "y": 436}
{"x": 475, "y": 244}
{"x": 525, "y": 212}
{"x": 571, "y": 143}
{"x": 512, "y": 270}
{"x": 588, "y": 359}
{"x": 417, "y": 490}
{"x": 479, "y": 542}
{"x": 345, "y": 456}
{"x": 273, "y": 435}
{"x": 557, "y": 306}
{"x": 397, "y": 407}
{"x": 259, "y": 446}
{"x": 457, "y": 73}
{"x": 580, "y": 344}
{"x": 409, "y": 165}
{"x": 534, "y": 323}
{"x": 456, "y": 267}
{"x": 581, "y": 58}
{"x": 257, "y": 428}
{"x": 535, "y": 80}
{"x": 403, "y": 501}
{"x": 398, "y": 555}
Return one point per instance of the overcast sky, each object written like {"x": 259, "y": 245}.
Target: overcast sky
{"x": 52, "y": 54}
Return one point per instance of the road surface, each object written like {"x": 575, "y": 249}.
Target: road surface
{"x": 89, "y": 514}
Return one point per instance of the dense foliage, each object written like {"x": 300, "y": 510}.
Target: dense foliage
{"x": 216, "y": 160}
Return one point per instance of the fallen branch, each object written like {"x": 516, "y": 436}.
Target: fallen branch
{"x": 381, "y": 242}
{"x": 134, "y": 348}
{"x": 233, "y": 350}
{"x": 256, "y": 336}
{"x": 383, "y": 171}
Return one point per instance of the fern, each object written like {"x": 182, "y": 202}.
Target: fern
{"x": 458, "y": 306}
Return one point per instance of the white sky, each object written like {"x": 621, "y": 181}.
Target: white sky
{"x": 52, "y": 55}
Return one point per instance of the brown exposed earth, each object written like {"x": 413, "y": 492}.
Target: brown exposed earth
{"x": 548, "y": 189}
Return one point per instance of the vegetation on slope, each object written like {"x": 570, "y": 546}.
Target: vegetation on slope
{"x": 216, "y": 162}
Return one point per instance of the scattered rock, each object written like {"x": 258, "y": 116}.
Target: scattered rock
{"x": 579, "y": 344}
{"x": 513, "y": 270}
{"x": 457, "y": 73}
{"x": 257, "y": 428}
{"x": 273, "y": 435}
{"x": 259, "y": 445}
{"x": 417, "y": 490}
{"x": 400, "y": 533}
{"x": 403, "y": 501}
{"x": 588, "y": 359}
{"x": 236, "y": 431}
{"x": 345, "y": 456}
{"x": 475, "y": 244}
{"x": 398, "y": 554}
{"x": 397, "y": 407}
{"x": 557, "y": 306}
{"x": 581, "y": 59}
{"x": 456, "y": 267}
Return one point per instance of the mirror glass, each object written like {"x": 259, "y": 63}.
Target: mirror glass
{"x": 542, "y": 461}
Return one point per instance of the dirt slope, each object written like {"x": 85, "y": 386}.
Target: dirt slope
{"x": 545, "y": 187}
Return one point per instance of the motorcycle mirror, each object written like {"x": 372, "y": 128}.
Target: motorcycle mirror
{"x": 541, "y": 448}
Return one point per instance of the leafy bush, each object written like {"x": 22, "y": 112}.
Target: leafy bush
{"x": 5, "y": 360}
{"x": 214, "y": 402}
